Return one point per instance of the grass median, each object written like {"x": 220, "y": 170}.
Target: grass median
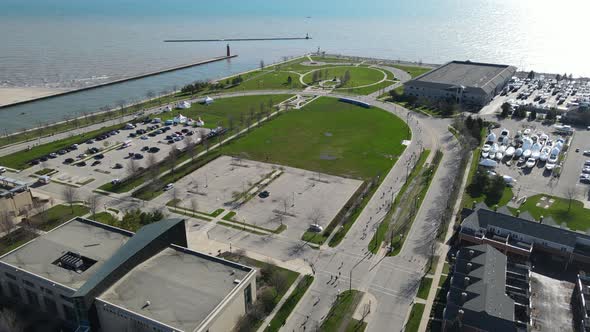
{"x": 281, "y": 316}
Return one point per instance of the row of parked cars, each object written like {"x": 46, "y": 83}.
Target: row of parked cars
{"x": 54, "y": 155}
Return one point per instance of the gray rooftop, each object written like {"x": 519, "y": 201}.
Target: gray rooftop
{"x": 487, "y": 306}
{"x": 485, "y": 76}
{"x": 182, "y": 299}
{"x": 482, "y": 218}
{"x": 88, "y": 238}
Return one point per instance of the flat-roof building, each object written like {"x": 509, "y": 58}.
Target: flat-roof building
{"x": 465, "y": 82}
{"x": 101, "y": 278}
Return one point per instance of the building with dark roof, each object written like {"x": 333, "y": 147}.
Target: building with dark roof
{"x": 581, "y": 303}
{"x": 100, "y": 278}
{"x": 483, "y": 294}
{"x": 521, "y": 235}
{"x": 466, "y": 82}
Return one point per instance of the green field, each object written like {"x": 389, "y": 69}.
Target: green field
{"x": 578, "y": 218}
{"x": 359, "y": 76}
{"x": 413, "y": 322}
{"x": 58, "y": 215}
{"x": 268, "y": 80}
{"x": 220, "y": 111}
{"x": 340, "y": 316}
{"x": 330, "y": 137}
{"x": 413, "y": 70}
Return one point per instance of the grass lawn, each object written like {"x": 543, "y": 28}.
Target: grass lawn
{"x": 15, "y": 239}
{"x": 105, "y": 218}
{"x": 383, "y": 227}
{"x": 368, "y": 89}
{"x": 340, "y": 316}
{"x": 268, "y": 80}
{"x": 578, "y": 218}
{"x": 424, "y": 288}
{"x": 359, "y": 76}
{"x": 413, "y": 70}
{"x": 415, "y": 316}
{"x": 290, "y": 276}
{"x": 57, "y": 215}
{"x": 330, "y": 137}
{"x": 330, "y": 59}
{"x": 219, "y": 112}
{"x": 505, "y": 199}
{"x": 44, "y": 171}
{"x": 281, "y": 316}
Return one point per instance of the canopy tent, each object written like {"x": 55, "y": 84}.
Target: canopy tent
{"x": 208, "y": 100}
{"x": 180, "y": 119}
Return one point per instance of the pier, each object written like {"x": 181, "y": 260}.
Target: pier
{"x": 307, "y": 37}
{"x": 136, "y": 77}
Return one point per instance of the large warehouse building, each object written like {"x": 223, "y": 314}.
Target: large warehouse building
{"x": 100, "y": 278}
{"x": 468, "y": 83}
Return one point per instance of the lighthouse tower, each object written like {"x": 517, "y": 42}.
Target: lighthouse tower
{"x": 227, "y": 50}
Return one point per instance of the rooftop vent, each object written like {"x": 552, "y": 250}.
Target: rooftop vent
{"x": 74, "y": 262}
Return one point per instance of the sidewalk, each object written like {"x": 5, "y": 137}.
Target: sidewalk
{"x": 442, "y": 253}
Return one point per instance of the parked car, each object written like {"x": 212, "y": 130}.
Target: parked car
{"x": 118, "y": 166}
{"x": 44, "y": 158}
{"x": 145, "y": 148}
{"x": 2, "y": 169}
{"x": 138, "y": 156}
{"x": 264, "y": 194}
{"x": 61, "y": 152}
{"x": 90, "y": 141}
{"x": 82, "y": 155}
{"x": 587, "y": 153}
{"x": 316, "y": 228}
{"x": 96, "y": 162}
{"x": 115, "y": 181}
{"x": 74, "y": 146}
{"x": 53, "y": 155}
{"x": 69, "y": 161}
{"x": 154, "y": 149}
{"x": 99, "y": 156}
{"x": 168, "y": 186}
{"x": 35, "y": 162}
{"x": 82, "y": 163}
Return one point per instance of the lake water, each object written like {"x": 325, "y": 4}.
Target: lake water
{"x": 70, "y": 43}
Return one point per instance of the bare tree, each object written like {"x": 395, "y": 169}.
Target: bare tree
{"x": 7, "y": 224}
{"x": 93, "y": 201}
{"x": 173, "y": 158}
{"x": 132, "y": 167}
{"x": 315, "y": 216}
{"x": 194, "y": 205}
{"x": 70, "y": 195}
{"x": 151, "y": 161}
{"x": 570, "y": 194}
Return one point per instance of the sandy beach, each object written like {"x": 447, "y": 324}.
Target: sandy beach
{"x": 13, "y": 95}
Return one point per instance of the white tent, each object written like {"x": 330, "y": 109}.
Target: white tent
{"x": 200, "y": 123}
{"x": 180, "y": 119}
{"x": 183, "y": 105}
{"x": 208, "y": 100}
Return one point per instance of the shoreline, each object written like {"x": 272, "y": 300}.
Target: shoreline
{"x": 17, "y": 95}
{"x": 216, "y": 80}
{"x": 131, "y": 78}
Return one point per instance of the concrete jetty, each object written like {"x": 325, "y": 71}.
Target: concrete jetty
{"x": 307, "y": 37}
{"x": 132, "y": 78}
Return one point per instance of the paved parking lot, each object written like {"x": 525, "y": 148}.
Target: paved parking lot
{"x": 538, "y": 180}
{"x": 105, "y": 171}
{"x": 295, "y": 196}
